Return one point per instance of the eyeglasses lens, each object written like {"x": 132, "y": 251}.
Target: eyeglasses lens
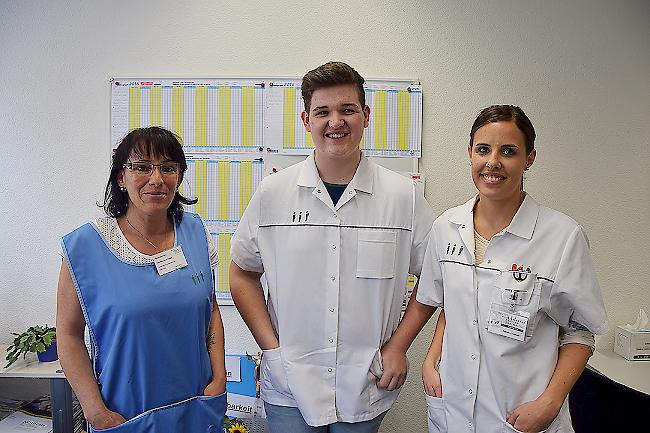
{"x": 146, "y": 168}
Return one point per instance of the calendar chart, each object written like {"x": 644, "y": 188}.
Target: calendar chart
{"x": 285, "y": 132}
{"x": 222, "y": 186}
{"x": 395, "y": 126}
{"x": 222, "y": 282}
{"x": 395, "y": 121}
{"x": 208, "y": 115}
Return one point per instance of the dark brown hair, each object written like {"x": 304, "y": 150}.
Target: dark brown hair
{"x": 146, "y": 143}
{"x": 328, "y": 75}
{"x": 505, "y": 113}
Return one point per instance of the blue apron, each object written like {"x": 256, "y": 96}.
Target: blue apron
{"x": 148, "y": 332}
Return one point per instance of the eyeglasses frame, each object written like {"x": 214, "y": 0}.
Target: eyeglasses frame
{"x": 129, "y": 165}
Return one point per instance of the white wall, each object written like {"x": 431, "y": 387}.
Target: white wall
{"x": 578, "y": 68}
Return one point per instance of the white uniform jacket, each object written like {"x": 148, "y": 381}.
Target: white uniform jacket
{"x": 336, "y": 279}
{"x": 485, "y": 376}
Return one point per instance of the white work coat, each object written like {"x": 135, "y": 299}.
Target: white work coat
{"x": 336, "y": 280}
{"x": 485, "y": 376}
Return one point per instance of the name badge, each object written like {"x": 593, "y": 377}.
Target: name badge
{"x": 170, "y": 260}
{"x": 516, "y": 287}
{"x": 507, "y": 322}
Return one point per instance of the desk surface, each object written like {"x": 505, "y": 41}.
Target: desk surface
{"x": 633, "y": 374}
{"x": 29, "y": 367}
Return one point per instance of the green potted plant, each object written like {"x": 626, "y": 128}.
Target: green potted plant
{"x": 38, "y": 339}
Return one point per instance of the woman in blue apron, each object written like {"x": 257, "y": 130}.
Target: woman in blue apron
{"x": 141, "y": 280}
{"x": 519, "y": 291}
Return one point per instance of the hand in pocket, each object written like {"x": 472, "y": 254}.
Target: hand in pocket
{"x": 431, "y": 380}
{"x": 274, "y": 372}
{"x": 106, "y": 419}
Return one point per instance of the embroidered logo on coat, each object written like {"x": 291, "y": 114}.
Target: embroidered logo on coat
{"x": 198, "y": 278}
{"x": 518, "y": 272}
{"x": 454, "y": 250}
{"x": 300, "y": 216}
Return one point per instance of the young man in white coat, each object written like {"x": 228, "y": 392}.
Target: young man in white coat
{"x": 336, "y": 237}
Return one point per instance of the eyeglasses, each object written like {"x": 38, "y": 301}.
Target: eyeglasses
{"x": 146, "y": 168}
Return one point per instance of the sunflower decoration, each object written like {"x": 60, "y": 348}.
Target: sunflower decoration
{"x": 237, "y": 428}
{"x": 234, "y": 425}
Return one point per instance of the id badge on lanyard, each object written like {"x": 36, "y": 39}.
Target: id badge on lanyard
{"x": 170, "y": 260}
{"x": 515, "y": 289}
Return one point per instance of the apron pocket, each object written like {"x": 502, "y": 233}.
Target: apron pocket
{"x": 436, "y": 414}
{"x": 375, "y": 372}
{"x": 507, "y": 428}
{"x": 201, "y": 414}
{"x": 274, "y": 375}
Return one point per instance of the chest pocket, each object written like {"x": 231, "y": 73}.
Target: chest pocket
{"x": 376, "y": 253}
{"x": 520, "y": 292}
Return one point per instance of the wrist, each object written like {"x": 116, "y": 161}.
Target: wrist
{"x": 432, "y": 360}
{"x": 218, "y": 376}
{"x": 394, "y": 348}
{"x": 552, "y": 401}
{"x": 270, "y": 346}
{"x": 270, "y": 342}
{"x": 93, "y": 414}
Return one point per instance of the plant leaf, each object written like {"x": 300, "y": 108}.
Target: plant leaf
{"x": 11, "y": 360}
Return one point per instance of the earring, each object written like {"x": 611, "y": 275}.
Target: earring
{"x": 123, "y": 189}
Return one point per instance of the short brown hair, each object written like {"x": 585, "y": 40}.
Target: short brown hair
{"x": 505, "y": 113}
{"x": 328, "y": 75}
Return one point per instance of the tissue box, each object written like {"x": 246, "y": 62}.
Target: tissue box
{"x": 632, "y": 345}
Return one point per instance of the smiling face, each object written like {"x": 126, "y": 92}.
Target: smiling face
{"x": 149, "y": 194}
{"x": 498, "y": 159}
{"x": 336, "y": 121}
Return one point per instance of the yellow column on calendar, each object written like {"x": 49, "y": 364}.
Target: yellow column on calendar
{"x": 289, "y": 118}
{"x": 380, "y": 120}
{"x": 245, "y": 185}
{"x": 200, "y": 121}
{"x": 308, "y": 140}
{"x": 223, "y": 179}
{"x": 248, "y": 116}
{"x": 223, "y": 245}
{"x": 410, "y": 282}
{"x": 134, "y": 107}
{"x": 403, "y": 119}
{"x": 200, "y": 168}
{"x": 178, "y": 104}
{"x": 155, "y": 106}
{"x": 224, "y": 116}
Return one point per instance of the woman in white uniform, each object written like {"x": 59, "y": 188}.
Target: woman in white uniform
{"x": 520, "y": 295}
